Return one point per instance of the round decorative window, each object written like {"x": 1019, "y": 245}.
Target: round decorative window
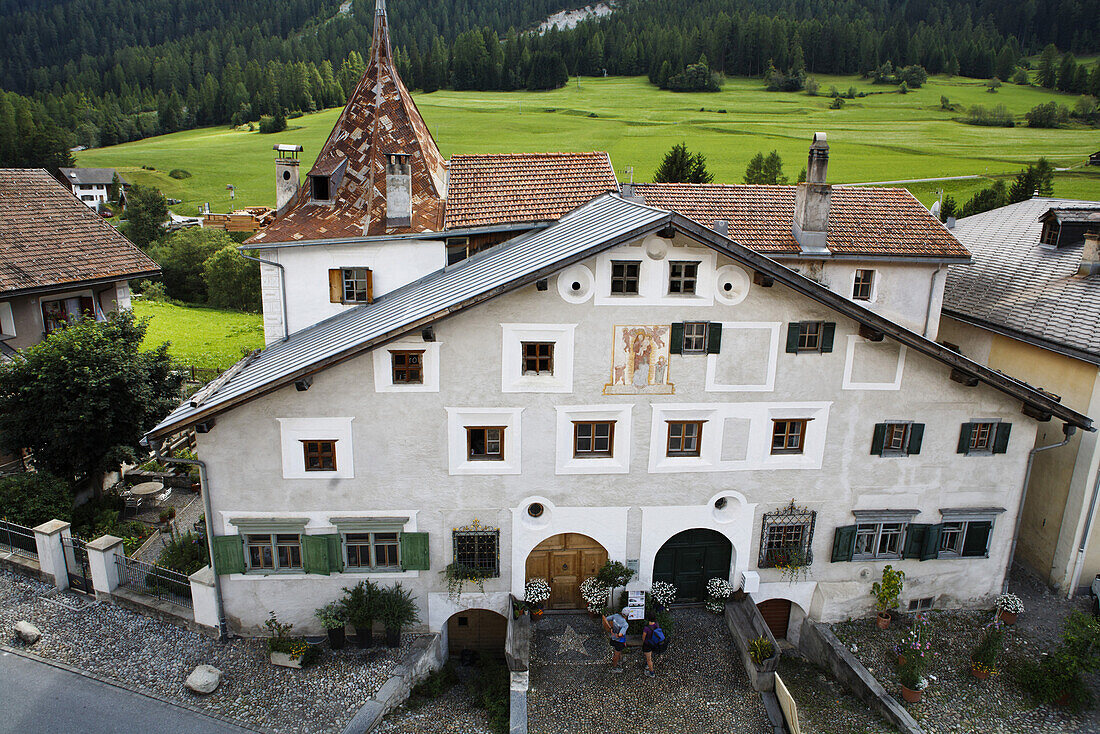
{"x": 286, "y": 175}
{"x": 727, "y": 286}
{"x": 535, "y": 509}
{"x": 576, "y": 285}
{"x": 719, "y": 503}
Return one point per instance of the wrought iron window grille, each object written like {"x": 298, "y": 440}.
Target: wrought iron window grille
{"x": 478, "y": 548}
{"x": 786, "y": 536}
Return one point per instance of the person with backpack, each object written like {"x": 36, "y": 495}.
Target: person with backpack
{"x": 654, "y": 642}
{"x": 616, "y": 627}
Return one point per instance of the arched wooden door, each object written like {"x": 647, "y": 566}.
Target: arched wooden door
{"x": 690, "y": 559}
{"x": 566, "y": 560}
{"x": 777, "y": 615}
{"x": 479, "y": 630}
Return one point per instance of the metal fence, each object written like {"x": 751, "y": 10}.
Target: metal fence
{"x": 154, "y": 580}
{"x": 17, "y": 539}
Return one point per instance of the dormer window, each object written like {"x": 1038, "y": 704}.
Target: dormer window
{"x": 398, "y": 190}
{"x": 325, "y": 179}
{"x": 1051, "y": 230}
{"x": 319, "y": 188}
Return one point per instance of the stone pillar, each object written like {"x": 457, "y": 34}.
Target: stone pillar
{"x": 102, "y": 555}
{"x": 51, "y": 553}
{"x": 202, "y": 598}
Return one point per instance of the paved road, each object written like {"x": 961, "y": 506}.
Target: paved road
{"x": 36, "y": 698}
{"x": 911, "y": 180}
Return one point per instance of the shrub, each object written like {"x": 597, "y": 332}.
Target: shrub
{"x": 182, "y": 261}
{"x": 397, "y": 608}
{"x": 32, "y": 499}
{"x": 998, "y": 116}
{"x": 1020, "y": 76}
{"x": 361, "y": 605}
{"x": 777, "y": 81}
{"x": 811, "y": 87}
{"x": 614, "y": 574}
{"x": 153, "y": 290}
{"x": 1061, "y": 672}
{"x": 179, "y": 173}
{"x": 231, "y": 281}
{"x": 694, "y": 78}
{"x": 837, "y": 103}
{"x": 491, "y": 693}
{"x": 761, "y": 649}
{"x": 912, "y": 76}
{"x": 1049, "y": 114}
{"x": 985, "y": 654}
{"x": 435, "y": 685}
{"x": 185, "y": 553}
{"x": 274, "y": 124}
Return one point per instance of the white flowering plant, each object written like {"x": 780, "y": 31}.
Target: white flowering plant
{"x": 537, "y": 592}
{"x": 718, "y": 590}
{"x": 594, "y": 592}
{"x": 663, "y": 592}
{"x": 1009, "y": 603}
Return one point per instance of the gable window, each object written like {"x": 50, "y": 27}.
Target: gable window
{"x": 695, "y": 337}
{"x": 538, "y": 358}
{"x": 863, "y": 285}
{"x": 408, "y": 367}
{"x": 786, "y": 537}
{"x": 684, "y": 438}
{"x": 320, "y": 455}
{"x": 1050, "y": 233}
{"x": 682, "y": 277}
{"x": 478, "y": 548}
{"x": 274, "y": 552}
{"x": 372, "y": 550}
{"x": 878, "y": 540}
{"x": 593, "y": 439}
{"x": 624, "y": 276}
{"x": 788, "y": 436}
{"x": 350, "y": 285}
{"x": 485, "y": 443}
{"x": 897, "y": 438}
{"x": 983, "y": 438}
{"x": 965, "y": 538}
{"x": 810, "y": 336}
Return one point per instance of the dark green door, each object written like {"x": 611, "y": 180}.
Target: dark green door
{"x": 690, "y": 559}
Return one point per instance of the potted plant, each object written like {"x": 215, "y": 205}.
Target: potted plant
{"x": 594, "y": 592}
{"x": 792, "y": 561}
{"x": 536, "y": 593}
{"x": 718, "y": 590}
{"x": 459, "y": 575}
{"x": 1009, "y": 606}
{"x": 397, "y": 609}
{"x": 614, "y": 574}
{"x": 333, "y": 617}
{"x": 886, "y": 593}
{"x": 983, "y": 661}
{"x": 911, "y": 678}
{"x": 663, "y": 594}
{"x": 360, "y": 603}
{"x": 284, "y": 650}
{"x": 761, "y": 649}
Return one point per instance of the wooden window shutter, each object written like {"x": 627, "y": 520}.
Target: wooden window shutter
{"x": 878, "y": 440}
{"x": 844, "y": 543}
{"x": 828, "y": 332}
{"x": 931, "y": 549}
{"x": 228, "y": 554}
{"x": 336, "y": 285}
{"x": 714, "y": 337}
{"x": 335, "y": 553}
{"x": 976, "y": 542}
{"x": 916, "y": 436}
{"x": 370, "y": 286}
{"x": 1000, "y": 441}
{"x": 792, "y": 338}
{"x": 414, "y": 552}
{"x": 315, "y": 554}
{"x": 964, "y": 438}
{"x": 915, "y": 534}
{"x": 676, "y": 339}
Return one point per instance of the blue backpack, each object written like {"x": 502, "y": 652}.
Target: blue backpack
{"x": 658, "y": 640}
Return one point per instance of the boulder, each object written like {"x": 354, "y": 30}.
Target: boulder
{"x": 27, "y": 632}
{"x": 204, "y": 679}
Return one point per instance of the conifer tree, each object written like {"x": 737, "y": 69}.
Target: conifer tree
{"x": 681, "y": 166}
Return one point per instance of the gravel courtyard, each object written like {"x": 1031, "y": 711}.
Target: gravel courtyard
{"x": 149, "y": 655}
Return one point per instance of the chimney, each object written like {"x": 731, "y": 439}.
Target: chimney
{"x": 811, "y": 201}
{"x": 286, "y": 174}
{"x": 722, "y": 227}
{"x": 1090, "y": 255}
{"x": 398, "y": 190}
{"x": 629, "y": 194}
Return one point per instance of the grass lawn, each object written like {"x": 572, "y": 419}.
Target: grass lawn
{"x": 201, "y": 337}
{"x": 884, "y": 136}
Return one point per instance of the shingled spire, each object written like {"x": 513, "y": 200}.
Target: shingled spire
{"x": 380, "y": 131}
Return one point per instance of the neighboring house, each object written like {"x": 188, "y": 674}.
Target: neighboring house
{"x": 1094, "y": 159}
{"x": 59, "y": 261}
{"x": 602, "y": 379}
{"x": 1029, "y": 305}
{"x": 91, "y": 185}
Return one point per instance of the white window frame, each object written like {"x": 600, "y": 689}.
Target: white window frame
{"x": 383, "y": 366}
{"x": 512, "y": 378}
{"x": 459, "y": 419}
{"x": 293, "y": 431}
{"x": 617, "y": 463}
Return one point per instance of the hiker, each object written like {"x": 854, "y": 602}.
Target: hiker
{"x": 616, "y": 627}
{"x": 654, "y": 641}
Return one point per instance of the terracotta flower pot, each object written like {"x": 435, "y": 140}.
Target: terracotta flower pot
{"x": 1009, "y": 618}
{"x": 910, "y": 696}
{"x": 979, "y": 674}
{"x": 883, "y": 620}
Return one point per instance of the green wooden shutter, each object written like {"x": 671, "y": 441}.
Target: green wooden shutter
{"x": 335, "y": 553}
{"x": 878, "y": 440}
{"x": 916, "y": 435}
{"x": 228, "y": 554}
{"x": 828, "y": 332}
{"x": 676, "y": 339}
{"x": 1000, "y": 441}
{"x": 792, "y": 337}
{"x": 931, "y": 548}
{"x": 714, "y": 337}
{"x": 915, "y": 535}
{"x": 414, "y": 552}
{"x": 964, "y": 438}
{"x": 315, "y": 554}
{"x": 844, "y": 543}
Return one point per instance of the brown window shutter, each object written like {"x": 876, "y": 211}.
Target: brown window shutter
{"x": 336, "y": 285}
{"x": 370, "y": 286}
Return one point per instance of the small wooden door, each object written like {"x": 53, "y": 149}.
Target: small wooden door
{"x": 566, "y": 560}
{"x": 477, "y": 629}
{"x": 777, "y": 615}
{"x": 690, "y": 559}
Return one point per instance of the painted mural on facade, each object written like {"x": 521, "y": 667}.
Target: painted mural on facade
{"x": 639, "y": 361}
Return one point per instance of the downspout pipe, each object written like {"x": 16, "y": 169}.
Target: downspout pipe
{"x": 282, "y": 286}
{"x": 204, "y": 485}
{"x": 1067, "y": 431}
{"x": 1079, "y": 562}
{"x": 931, "y": 300}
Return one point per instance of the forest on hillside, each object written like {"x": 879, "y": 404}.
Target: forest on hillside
{"x": 100, "y": 72}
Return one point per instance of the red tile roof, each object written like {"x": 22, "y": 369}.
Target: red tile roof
{"x": 523, "y": 187}
{"x": 862, "y": 221}
{"x": 49, "y": 237}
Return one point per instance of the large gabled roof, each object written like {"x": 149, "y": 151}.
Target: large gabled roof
{"x": 89, "y": 176}
{"x": 49, "y": 238}
{"x": 601, "y": 224}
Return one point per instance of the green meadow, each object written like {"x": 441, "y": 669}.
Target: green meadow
{"x": 885, "y": 136}
{"x": 199, "y": 336}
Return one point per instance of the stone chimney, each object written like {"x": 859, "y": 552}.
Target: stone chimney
{"x": 629, "y": 193}
{"x": 286, "y": 174}
{"x": 811, "y": 201}
{"x": 1090, "y": 255}
{"x": 398, "y": 190}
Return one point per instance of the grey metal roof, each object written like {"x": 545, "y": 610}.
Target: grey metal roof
{"x": 89, "y": 176}
{"x": 1015, "y": 285}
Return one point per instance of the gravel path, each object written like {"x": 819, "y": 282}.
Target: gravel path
{"x": 701, "y": 686}
{"x": 186, "y": 517}
{"x": 824, "y": 705}
{"x": 451, "y": 713}
{"x": 154, "y": 656}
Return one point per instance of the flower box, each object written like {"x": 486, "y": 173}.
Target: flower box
{"x": 283, "y": 659}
